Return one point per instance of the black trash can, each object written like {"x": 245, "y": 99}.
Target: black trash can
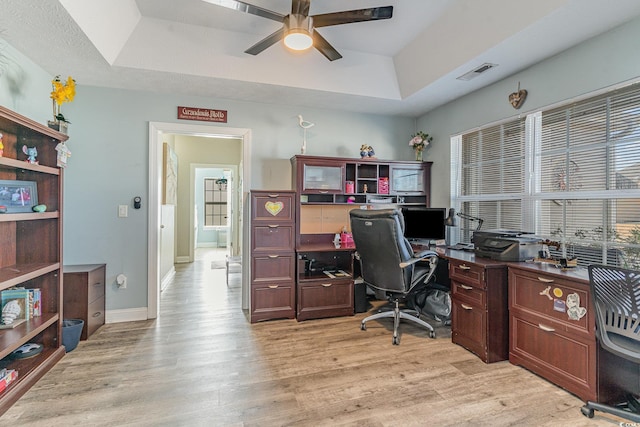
{"x": 71, "y": 331}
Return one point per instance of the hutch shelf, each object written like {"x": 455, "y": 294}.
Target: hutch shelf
{"x": 31, "y": 250}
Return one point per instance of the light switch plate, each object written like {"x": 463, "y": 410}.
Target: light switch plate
{"x": 123, "y": 211}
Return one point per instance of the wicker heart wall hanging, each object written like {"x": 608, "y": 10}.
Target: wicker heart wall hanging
{"x": 274, "y": 208}
{"x": 516, "y": 99}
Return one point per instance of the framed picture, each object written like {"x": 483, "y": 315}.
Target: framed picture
{"x": 18, "y": 196}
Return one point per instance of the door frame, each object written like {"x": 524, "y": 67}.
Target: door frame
{"x": 156, "y": 129}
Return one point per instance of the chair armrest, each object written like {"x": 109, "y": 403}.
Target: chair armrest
{"x": 418, "y": 257}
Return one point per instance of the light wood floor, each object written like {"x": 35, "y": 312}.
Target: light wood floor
{"x": 202, "y": 364}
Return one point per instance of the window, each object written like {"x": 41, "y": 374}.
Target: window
{"x": 570, "y": 174}
{"x": 215, "y": 202}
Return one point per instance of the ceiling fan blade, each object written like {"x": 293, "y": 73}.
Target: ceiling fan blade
{"x": 266, "y": 42}
{"x": 324, "y": 47}
{"x": 300, "y": 7}
{"x": 349, "y": 16}
{"x": 248, "y": 8}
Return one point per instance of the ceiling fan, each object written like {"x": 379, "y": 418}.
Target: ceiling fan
{"x": 299, "y": 29}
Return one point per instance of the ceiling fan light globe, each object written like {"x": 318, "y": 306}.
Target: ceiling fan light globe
{"x": 298, "y": 40}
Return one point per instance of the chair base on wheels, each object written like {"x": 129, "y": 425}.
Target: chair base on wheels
{"x": 397, "y": 314}
{"x": 629, "y": 410}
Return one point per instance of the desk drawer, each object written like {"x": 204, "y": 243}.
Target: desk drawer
{"x": 272, "y": 237}
{"x": 95, "y": 317}
{"x": 568, "y": 361}
{"x": 464, "y": 292}
{"x": 552, "y": 298}
{"x": 274, "y": 300}
{"x": 274, "y": 267}
{"x": 469, "y": 327}
{"x": 325, "y": 299}
{"x": 272, "y": 206}
{"x": 468, "y": 273}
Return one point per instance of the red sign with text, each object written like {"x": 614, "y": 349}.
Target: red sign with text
{"x": 202, "y": 114}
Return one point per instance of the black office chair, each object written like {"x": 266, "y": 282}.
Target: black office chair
{"x": 388, "y": 263}
{"x": 616, "y": 298}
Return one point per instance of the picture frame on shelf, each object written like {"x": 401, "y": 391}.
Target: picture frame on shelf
{"x": 18, "y": 196}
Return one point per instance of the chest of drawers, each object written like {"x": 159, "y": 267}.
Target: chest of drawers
{"x": 273, "y": 257}
{"x": 552, "y": 327}
{"x": 479, "y": 316}
{"x": 84, "y": 295}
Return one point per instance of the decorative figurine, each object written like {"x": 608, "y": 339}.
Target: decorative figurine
{"x": 10, "y": 312}
{"x": 367, "y": 151}
{"x": 32, "y": 153}
{"x": 1, "y": 146}
{"x": 304, "y": 125}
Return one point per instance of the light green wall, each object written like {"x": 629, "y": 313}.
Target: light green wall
{"x": 603, "y": 61}
{"x": 109, "y": 143}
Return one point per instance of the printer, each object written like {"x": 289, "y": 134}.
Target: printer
{"x": 506, "y": 245}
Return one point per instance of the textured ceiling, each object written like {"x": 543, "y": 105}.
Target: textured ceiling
{"x": 403, "y": 66}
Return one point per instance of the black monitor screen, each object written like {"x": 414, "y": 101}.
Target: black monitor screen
{"x": 424, "y": 223}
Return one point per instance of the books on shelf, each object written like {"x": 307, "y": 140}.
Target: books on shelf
{"x": 8, "y": 377}
{"x": 29, "y": 301}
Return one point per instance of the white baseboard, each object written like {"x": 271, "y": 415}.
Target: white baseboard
{"x": 167, "y": 278}
{"x": 182, "y": 259}
{"x": 125, "y": 315}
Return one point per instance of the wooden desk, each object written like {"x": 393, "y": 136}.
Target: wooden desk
{"x": 84, "y": 295}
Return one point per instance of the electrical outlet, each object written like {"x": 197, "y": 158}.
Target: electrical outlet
{"x": 123, "y": 211}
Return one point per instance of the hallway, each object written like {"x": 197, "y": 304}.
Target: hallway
{"x": 201, "y": 363}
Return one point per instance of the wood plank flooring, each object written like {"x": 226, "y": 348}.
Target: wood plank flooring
{"x": 201, "y": 363}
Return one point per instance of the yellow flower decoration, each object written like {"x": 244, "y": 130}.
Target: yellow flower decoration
{"x": 63, "y": 92}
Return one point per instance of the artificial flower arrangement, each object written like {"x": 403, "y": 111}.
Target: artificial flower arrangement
{"x": 62, "y": 92}
{"x": 419, "y": 142}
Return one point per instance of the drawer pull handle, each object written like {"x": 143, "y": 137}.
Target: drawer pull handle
{"x": 464, "y": 267}
{"x": 97, "y": 284}
{"x": 273, "y": 226}
{"x": 466, "y": 288}
{"x": 326, "y": 285}
{"x": 466, "y": 307}
{"x": 323, "y": 192}
{"x": 97, "y": 314}
{"x": 546, "y": 328}
{"x": 273, "y": 256}
{"x": 542, "y": 279}
{"x": 273, "y": 286}
{"x": 273, "y": 196}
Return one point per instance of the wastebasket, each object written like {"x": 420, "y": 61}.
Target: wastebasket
{"x": 71, "y": 331}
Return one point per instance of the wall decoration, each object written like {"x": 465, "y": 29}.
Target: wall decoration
{"x": 516, "y": 99}
{"x": 169, "y": 175}
{"x": 18, "y": 196}
{"x": 304, "y": 125}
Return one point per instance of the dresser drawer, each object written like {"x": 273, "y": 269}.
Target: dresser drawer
{"x": 95, "y": 316}
{"x": 565, "y": 303}
{"x": 273, "y": 267}
{"x": 469, "y": 327}
{"x": 325, "y": 299}
{"x": 96, "y": 284}
{"x": 272, "y": 237}
{"x": 568, "y": 361}
{"x": 463, "y": 292}
{"x": 275, "y": 300}
{"x": 273, "y": 206}
{"x": 470, "y": 274}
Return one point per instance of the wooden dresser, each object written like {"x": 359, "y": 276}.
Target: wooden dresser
{"x": 553, "y": 327}
{"x": 479, "y": 316}
{"x": 273, "y": 257}
{"x": 84, "y": 295}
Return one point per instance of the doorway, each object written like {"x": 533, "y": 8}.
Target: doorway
{"x": 156, "y": 130}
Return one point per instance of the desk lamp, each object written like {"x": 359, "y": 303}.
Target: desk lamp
{"x": 450, "y": 221}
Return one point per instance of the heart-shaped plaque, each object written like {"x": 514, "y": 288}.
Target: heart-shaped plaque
{"x": 517, "y": 98}
{"x": 274, "y": 208}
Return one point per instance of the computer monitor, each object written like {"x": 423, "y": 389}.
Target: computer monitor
{"x": 423, "y": 224}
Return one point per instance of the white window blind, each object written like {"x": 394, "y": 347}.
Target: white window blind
{"x": 570, "y": 174}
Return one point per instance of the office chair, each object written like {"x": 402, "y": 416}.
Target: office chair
{"x": 388, "y": 264}
{"x": 616, "y": 299}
